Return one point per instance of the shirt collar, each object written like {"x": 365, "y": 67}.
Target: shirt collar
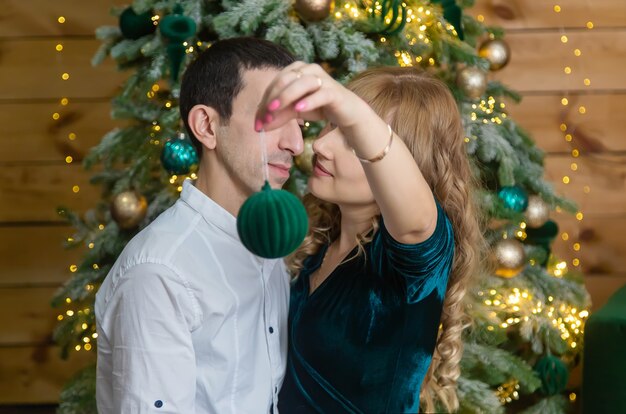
{"x": 211, "y": 211}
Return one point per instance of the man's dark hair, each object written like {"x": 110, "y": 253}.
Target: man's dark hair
{"x": 214, "y": 78}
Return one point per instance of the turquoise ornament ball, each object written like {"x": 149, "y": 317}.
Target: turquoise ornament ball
{"x": 514, "y": 197}
{"x": 272, "y": 223}
{"x": 179, "y": 156}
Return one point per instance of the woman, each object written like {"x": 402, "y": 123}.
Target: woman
{"x": 376, "y": 311}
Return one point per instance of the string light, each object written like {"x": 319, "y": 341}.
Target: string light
{"x": 516, "y": 306}
{"x": 569, "y": 132}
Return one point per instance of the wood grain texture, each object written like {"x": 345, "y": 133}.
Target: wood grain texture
{"x": 30, "y": 193}
{"x": 528, "y": 14}
{"x": 604, "y": 174}
{"x": 599, "y": 130}
{"x": 34, "y": 256}
{"x": 36, "y": 374}
{"x": 538, "y": 61}
{"x": 32, "y": 69}
{"x": 39, "y": 17}
{"x": 40, "y": 138}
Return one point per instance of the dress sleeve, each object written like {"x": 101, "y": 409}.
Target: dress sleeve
{"x": 424, "y": 266}
{"x": 148, "y": 323}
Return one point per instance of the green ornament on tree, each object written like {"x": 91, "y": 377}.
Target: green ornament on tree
{"x": 543, "y": 235}
{"x": 272, "y": 223}
{"x": 453, "y": 14}
{"x": 134, "y": 26}
{"x": 514, "y": 197}
{"x": 393, "y": 15}
{"x": 553, "y": 374}
{"x": 179, "y": 156}
{"x": 176, "y": 28}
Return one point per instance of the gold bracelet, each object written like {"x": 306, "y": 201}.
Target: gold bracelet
{"x": 383, "y": 152}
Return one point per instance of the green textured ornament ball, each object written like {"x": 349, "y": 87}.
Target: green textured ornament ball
{"x": 134, "y": 26}
{"x": 272, "y": 223}
{"x": 543, "y": 235}
{"x": 553, "y": 374}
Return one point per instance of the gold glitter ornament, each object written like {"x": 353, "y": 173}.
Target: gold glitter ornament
{"x": 510, "y": 257}
{"x": 472, "y": 81}
{"x": 128, "y": 209}
{"x": 537, "y": 212}
{"x": 304, "y": 161}
{"x": 497, "y": 52}
{"x": 313, "y": 10}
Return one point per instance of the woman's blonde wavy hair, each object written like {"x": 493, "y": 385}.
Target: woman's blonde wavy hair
{"x": 422, "y": 111}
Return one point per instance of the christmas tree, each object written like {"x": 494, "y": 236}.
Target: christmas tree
{"x": 528, "y": 309}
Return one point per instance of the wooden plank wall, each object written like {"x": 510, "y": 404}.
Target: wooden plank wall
{"x": 35, "y": 178}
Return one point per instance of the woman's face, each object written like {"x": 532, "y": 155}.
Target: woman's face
{"x": 338, "y": 176}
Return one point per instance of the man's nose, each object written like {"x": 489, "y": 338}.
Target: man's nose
{"x": 291, "y": 138}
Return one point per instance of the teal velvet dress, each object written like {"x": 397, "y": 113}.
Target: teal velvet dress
{"x": 362, "y": 342}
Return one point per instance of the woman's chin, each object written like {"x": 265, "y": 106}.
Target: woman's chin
{"x": 317, "y": 188}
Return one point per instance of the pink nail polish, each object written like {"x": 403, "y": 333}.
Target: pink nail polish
{"x": 268, "y": 118}
{"x": 300, "y": 106}
{"x": 274, "y": 105}
{"x": 258, "y": 125}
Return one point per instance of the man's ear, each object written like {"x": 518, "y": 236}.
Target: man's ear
{"x": 203, "y": 122}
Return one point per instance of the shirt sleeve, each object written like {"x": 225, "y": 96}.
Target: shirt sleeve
{"x": 424, "y": 266}
{"x": 148, "y": 322}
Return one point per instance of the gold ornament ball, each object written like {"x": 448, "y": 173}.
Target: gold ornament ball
{"x": 510, "y": 257}
{"x": 497, "y": 52}
{"x": 128, "y": 209}
{"x": 537, "y": 212}
{"x": 304, "y": 161}
{"x": 313, "y": 10}
{"x": 472, "y": 81}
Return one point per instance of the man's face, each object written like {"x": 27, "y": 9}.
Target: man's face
{"x": 239, "y": 145}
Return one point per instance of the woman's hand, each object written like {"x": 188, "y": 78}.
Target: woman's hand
{"x": 306, "y": 91}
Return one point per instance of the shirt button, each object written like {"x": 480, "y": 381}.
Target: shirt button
{"x": 158, "y": 403}
{"x": 271, "y": 330}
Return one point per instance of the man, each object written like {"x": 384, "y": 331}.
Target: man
{"x": 188, "y": 320}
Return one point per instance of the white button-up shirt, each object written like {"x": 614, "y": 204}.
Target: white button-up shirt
{"x": 189, "y": 321}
